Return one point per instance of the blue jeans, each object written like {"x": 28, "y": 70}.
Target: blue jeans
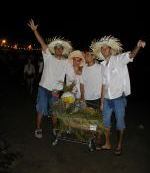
{"x": 45, "y": 101}
{"x": 118, "y": 106}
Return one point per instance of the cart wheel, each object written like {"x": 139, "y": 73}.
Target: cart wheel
{"x": 91, "y": 145}
{"x": 55, "y": 142}
{"x": 54, "y": 132}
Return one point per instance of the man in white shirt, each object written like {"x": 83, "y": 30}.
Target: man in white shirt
{"x": 53, "y": 75}
{"x": 91, "y": 83}
{"x": 74, "y": 71}
{"x": 29, "y": 75}
{"x": 116, "y": 84}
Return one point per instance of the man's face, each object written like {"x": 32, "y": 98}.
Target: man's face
{"x": 106, "y": 51}
{"x": 58, "y": 51}
{"x": 77, "y": 61}
{"x": 89, "y": 57}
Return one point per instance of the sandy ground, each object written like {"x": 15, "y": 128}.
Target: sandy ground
{"x": 17, "y": 122}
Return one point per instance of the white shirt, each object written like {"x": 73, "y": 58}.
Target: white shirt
{"x": 53, "y": 72}
{"x": 72, "y": 77}
{"x": 92, "y": 81}
{"x": 116, "y": 76}
{"x": 29, "y": 69}
{"x": 40, "y": 64}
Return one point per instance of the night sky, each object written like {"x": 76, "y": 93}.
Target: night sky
{"x": 81, "y": 22}
{"x": 76, "y": 21}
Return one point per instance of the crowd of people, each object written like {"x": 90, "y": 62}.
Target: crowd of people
{"x": 103, "y": 85}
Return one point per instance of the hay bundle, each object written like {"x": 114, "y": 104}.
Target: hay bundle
{"x": 78, "y": 120}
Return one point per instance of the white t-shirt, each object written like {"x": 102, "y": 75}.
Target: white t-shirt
{"x": 116, "y": 76}
{"x": 72, "y": 77}
{"x": 92, "y": 81}
{"x": 70, "y": 74}
{"x": 53, "y": 72}
{"x": 29, "y": 69}
{"x": 40, "y": 64}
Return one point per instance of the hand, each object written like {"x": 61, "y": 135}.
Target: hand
{"x": 82, "y": 98}
{"x": 101, "y": 107}
{"x": 83, "y": 104}
{"x": 32, "y": 25}
{"x": 141, "y": 44}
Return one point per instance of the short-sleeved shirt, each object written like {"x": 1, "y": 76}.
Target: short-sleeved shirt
{"x": 40, "y": 64}
{"x": 116, "y": 77}
{"x": 72, "y": 77}
{"x": 92, "y": 81}
{"x": 53, "y": 72}
{"x": 29, "y": 69}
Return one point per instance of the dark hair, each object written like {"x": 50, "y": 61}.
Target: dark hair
{"x": 58, "y": 46}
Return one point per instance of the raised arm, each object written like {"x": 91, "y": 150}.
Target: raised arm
{"x": 34, "y": 27}
{"x": 140, "y": 44}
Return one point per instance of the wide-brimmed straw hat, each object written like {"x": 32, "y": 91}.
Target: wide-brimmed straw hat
{"x": 114, "y": 43}
{"x": 76, "y": 54}
{"x": 59, "y": 42}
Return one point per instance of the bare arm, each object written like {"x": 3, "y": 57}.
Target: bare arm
{"x": 82, "y": 91}
{"x": 102, "y": 98}
{"x": 140, "y": 44}
{"x": 33, "y": 27}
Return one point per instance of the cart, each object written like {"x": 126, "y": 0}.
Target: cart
{"x": 74, "y": 122}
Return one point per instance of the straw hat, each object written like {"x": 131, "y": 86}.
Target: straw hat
{"x": 114, "y": 43}
{"x": 76, "y": 54}
{"x": 59, "y": 42}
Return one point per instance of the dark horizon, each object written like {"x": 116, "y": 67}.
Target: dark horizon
{"x": 79, "y": 22}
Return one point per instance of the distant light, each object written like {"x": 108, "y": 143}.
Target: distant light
{"x": 15, "y": 46}
{"x": 29, "y": 47}
{"x": 3, "y": 41}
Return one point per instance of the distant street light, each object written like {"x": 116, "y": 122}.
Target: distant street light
{"x": 3, "y": 42}
{"x": 29, "y": 47}
{"x": 15, "y": 46}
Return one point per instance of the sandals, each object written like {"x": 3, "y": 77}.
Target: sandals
{"x": 118, "y": 152}
{"x": 98, "y": 148}
{"x": 104, "y": 147}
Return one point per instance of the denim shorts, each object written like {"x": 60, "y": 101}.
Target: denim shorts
{"x": 45, "y": 101}
{"x": 118, "y": 107}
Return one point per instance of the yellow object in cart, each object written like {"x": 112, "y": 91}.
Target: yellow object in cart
{"x": 68, "y": 97}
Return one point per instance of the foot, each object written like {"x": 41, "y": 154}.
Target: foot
{"x": 118, "y": 151}
{"x": 106, "y": 147}
{"x": 98, "y": 148}
{"x": 38, "y": 133}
